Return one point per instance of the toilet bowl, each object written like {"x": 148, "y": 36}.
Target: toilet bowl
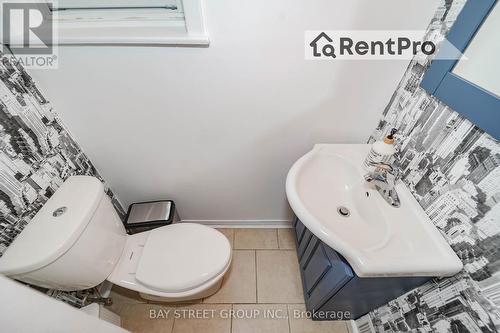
{"x": 76, "y": 241}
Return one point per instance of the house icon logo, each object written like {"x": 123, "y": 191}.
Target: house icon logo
{"x": 322, "y": 45}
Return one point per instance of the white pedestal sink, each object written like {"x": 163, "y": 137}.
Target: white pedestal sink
{"x": 328, "y": 193}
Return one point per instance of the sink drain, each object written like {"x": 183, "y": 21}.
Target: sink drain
{"x": 343, "y": 211}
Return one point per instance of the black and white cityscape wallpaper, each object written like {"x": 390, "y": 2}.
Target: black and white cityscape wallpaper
{"x": 453, "y": 170}
{"x": 36, "y": 155}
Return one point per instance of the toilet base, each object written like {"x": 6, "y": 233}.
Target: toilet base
{"x": 205, "y": 293}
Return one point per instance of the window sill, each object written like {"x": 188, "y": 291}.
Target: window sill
{"x": 140, "y": 33}
{"x": 200, "y": 41}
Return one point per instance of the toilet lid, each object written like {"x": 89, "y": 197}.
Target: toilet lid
{"x": 182, "y": 256}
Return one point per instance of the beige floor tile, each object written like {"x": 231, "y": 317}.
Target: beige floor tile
{"x": 229, "y": 233}
{"x": 255, "y": 239}
{"x": 206, "y": 318}
{"x": 122, "y": 297}
{"x": 278, "y": 277}
{"x": 299, "y": 323}
{"x": 147, "y": 318}
{"x": 286, "y": 238}
{"x": 260, "y": 318}
{"x": 239, "y": 285}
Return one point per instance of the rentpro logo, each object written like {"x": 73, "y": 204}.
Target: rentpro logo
{"x": 325, "y": 45}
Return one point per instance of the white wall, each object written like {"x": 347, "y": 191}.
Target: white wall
{"x": 216, "y": 129}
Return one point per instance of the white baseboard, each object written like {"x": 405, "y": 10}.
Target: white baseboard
{"x": 244, "y": 223}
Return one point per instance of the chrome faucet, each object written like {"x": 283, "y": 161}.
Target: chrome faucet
{"x": 384, "y": 178}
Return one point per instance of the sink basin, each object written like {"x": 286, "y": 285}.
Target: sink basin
{"x": 328, "y": 193}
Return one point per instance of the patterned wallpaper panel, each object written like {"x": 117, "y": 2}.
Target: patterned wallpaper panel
{"x": 36, "y": 152}
{"x": 453, "y": 170}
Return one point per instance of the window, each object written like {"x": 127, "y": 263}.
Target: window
{"x": 155, "y": 22}
{"x": 93, "y": 4}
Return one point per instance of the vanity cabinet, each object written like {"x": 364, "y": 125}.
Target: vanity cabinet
{"x": 332, "y": 291}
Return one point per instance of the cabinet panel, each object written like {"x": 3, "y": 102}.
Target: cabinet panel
{"x": 306, "y": 239}
{"x": 330, "y": 284}
{"x": 308, "y": 252}
{"x": 325, "y": 274}
{"x": 299, "y": 231}
{"x": 316, "y": 266}
{"x": 323, "y": 271}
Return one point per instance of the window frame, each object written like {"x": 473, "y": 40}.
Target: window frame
{"x": 135, "y": 26}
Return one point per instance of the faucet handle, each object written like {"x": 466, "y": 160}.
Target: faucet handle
{"x": 390, "y": 173}
{"x": 382, "y": 166}
{"x": 391, "y": 177}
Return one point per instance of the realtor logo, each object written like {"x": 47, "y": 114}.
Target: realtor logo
{"x": 27, "y": 27}
{"x": 28, "y": 34}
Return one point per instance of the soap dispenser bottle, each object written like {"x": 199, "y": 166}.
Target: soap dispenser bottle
{"x": 381, "y": 151}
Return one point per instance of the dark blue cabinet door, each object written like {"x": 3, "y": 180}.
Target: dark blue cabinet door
{"x": 306, "y": 240}
{"x": 323, "y": 271}
{"x": 330, "y": 284}
{"x": 299, "y": 231}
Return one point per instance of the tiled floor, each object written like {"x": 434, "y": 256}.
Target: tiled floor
{"x": 262, "y": 292}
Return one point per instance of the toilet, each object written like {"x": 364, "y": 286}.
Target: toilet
{"x": 77, "y": 240}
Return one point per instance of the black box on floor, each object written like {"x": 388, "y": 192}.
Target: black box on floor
{"x": 144, "y": 216}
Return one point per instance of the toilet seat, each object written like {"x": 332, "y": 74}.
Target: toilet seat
{"x": 167, "y": 263}
{"x": 182, "y": 256}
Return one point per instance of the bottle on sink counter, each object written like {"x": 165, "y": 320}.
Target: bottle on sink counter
{"x": 381, "y": 151}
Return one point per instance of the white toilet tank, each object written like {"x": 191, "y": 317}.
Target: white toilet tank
{"x": 72, "y": 243}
